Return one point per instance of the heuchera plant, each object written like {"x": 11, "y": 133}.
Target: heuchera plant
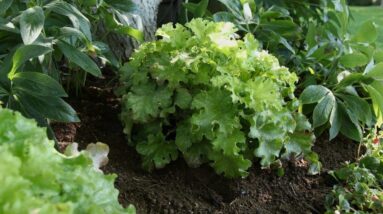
{"x": 202, "y": 94}
{"x": 35, "y": 178}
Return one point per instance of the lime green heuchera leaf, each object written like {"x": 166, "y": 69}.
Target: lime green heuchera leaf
{"x": 217, "y": 114}
{"x": 157, "y": 152}
{"x": 35, "y": 178}
{"x": 215, "y": 99}
{"x": 147, "y": 101}
{"x": 231, "y": 166}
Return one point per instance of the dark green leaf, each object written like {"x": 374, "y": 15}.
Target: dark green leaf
{"x": 37, "y": 84}
{"x": 197, "y": 9}
{"x": 353, "y": 78}
{"x": 79, "y": 58}
{"x": 234, "y": 7}
{"x": 122, "y": 5}
{"x": 4, "y": 5}
{"x": 313, "y": 93}
{"x": 78, "y": 20}
{"x": 358, "y": 108}
{"x": 224, "y": 17}
{"x": 323, "y": 110}
{"x": 349, "y": 128}
{"x": 335, "y": 122}
{"x": 50, "y": 107}
{"x": 25, "y": 53}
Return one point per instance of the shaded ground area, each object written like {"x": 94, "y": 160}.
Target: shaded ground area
{"x": 179, "y": 189}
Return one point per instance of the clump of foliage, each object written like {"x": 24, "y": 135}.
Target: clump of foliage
{"x": 338, "y": 71}
{"x": 201, "y": 93}
{"x": 361, "y": 188}
{"x": 43, "y": 42}
{"x": 35, "y": 178}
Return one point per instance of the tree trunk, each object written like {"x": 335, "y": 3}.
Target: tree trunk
{"x": 145, "y": 20}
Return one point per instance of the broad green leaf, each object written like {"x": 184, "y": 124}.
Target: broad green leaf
{"x": 146, "y": 101}
{"x": 31, "y": 24}
{"x": 349, "y": 128}
{"x": 322, "y": 111}
{"x": 214, "y": 109}
{"x": 313, "y": 94}
{"x": 197, "y": 9}
{"x": 25, "y": 53}
{"x": 50, "y": 107}
{"x": 78, "y": 20}
{"x": 284, "y": 28}
{"x": 224, "y": 17}
{"x": 358, "y": 107}
{"x": 268, "y": 151}
{"x": 122, "y": 5}
{"x": 157, "y": 152}
{"x": 376, "y": 72}
{"x": 275, "y": 12}
{"x": 375, "y": 92}
{"x": 183, "y": 98}
{"x": 367, "y": 33}
{"x": 37, "y": 84}
{"x": 335, "y": 122}
{"x": 79, "y": 58}
{"x": 287, "y": 45}
{"x": 184, "y": 137}
{"x": 4, "y": 5}
{"x": 130, "y": 31}
{"x": 73, "y": 32}
{"x": 354, "y": 60}
{"x": 310, "y": 37}
{"x": 231, "y": 166}
{"x": 123, "y": 27}
{"x": 234, "y": 7}
{"x": 230, "y": 143}
{"x": 298, "y": 143}
{"x": 353, "y": 78}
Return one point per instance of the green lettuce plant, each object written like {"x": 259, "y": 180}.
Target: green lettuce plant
{"x": 200, "y": 93}
{"x": 35, "y": 178}
{"x": 360, "y": 187}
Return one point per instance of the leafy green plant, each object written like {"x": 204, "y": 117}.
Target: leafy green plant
{"x": 201, "y": 93}
{"x": 42, "y": 42}
{"x": 312, "y": 38}
{"x": 361, "y": 188}
{"x": 35, "y": 178}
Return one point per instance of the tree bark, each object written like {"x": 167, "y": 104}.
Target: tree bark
{"x": 145, "y": 19}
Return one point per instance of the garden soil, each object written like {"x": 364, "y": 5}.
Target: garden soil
{"x": 180, "y": 189}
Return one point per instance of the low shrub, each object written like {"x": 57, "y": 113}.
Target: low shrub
{"x": 201, "y": 93}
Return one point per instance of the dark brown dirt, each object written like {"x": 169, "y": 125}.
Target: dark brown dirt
{"x": 179, "y": 189}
